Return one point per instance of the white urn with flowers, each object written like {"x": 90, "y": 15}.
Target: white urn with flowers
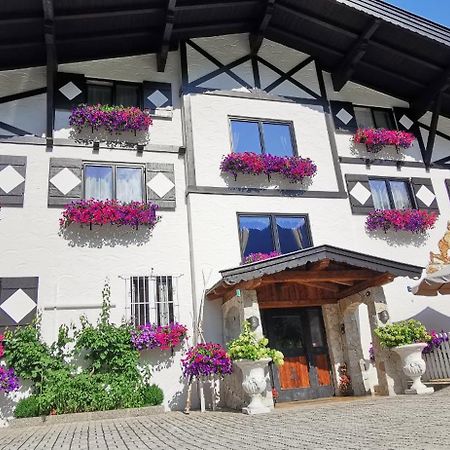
{"x": 252, "y": 356}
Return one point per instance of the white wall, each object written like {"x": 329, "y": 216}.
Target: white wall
{"x": 72, "y": 270}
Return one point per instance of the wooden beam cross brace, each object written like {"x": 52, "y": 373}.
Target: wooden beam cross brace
{"x": 347, "y": 67}
{"x": 161, "y": 57}
{"x": 433, "y": 130}
{"x": 257, "y": 37}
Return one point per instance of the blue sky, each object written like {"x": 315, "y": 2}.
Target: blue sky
{"x": 436, "y": 10}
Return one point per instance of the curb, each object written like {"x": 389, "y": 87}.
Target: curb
{"x": 86, "y": 416}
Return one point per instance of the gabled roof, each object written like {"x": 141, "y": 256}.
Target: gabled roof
{"x": 301, "y": 258}
{"x": 406, "y": 56}
{"x": 325, "y": 272}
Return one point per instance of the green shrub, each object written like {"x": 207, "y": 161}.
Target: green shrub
{"x": 402, "y": 333}
{"x": 111, "y": 380}
{"x": 28, "y": 407}
{"x": 152, "y": 395}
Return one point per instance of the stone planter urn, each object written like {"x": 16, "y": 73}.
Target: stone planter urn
{"x": 414, "y": 367}
{"x": 254, "y": 384}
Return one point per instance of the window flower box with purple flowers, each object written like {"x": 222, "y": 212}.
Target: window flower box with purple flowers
{"x": 163, "y": 337}
{"x": 255, "y": 257}
{"x": 375, "y": 139}
{"x": 410, "y": 220}
{"x": 102, "y": 212}
{"x": 206, "y": 359}
{"x": 293, "y": 168}
{"x": 110, "y": 123}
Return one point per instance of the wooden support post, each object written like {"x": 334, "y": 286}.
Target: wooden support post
{"x": 161, "y": 57}
{"x": 52, "y": 64}
{"x": 347, "y": 67}
{"x": 257, "y": 37}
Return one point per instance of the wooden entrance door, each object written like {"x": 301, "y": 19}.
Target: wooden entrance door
{"x": 300, "y": 335}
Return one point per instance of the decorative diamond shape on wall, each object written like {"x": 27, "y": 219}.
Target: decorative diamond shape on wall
{"x": 18, "y": 305}
{"x": 406, "y": 121}
{"x": 65, "y": 181}
{"x": 158, "y": 98}
{"x": 161, "y": 185}
{"x": 344, "y": 116}
{"x": 70, "y": 90}
{"x": 10, "y": 179}
{"x": 360, "y": 193}
{"x": 425, "y": 196}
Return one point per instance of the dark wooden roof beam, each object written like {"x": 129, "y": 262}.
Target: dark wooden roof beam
{"x": 161, "y": 57}
{"x": 346, "y": 68}
{"x": 102, "y": 14}
{"x": 257, "y": 37}
{"x": 432, "y": 132}
{"x": 428, "y": 97}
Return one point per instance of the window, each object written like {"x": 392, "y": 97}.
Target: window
{"x": 113, "y": 93}
{"x": 154, "y": 299}
{"x": 268, "y": 233}
{"x": 367, "y": 117}
{"x": 123, "y": 183}
{"x": 391, "y": 194}
{"x": 257, "y": 136}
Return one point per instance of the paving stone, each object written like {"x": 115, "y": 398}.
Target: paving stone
{"x": 404, "y": 422}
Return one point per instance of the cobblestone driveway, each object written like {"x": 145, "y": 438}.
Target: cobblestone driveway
{"x": 386, "y": 423}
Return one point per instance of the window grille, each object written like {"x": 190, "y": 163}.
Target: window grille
{"x": 153, "y": 299}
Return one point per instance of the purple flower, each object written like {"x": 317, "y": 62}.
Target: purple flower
{"x": 413, "y": 220}
{"x": 206, "y": 359}
{"x": 8, "y": 380}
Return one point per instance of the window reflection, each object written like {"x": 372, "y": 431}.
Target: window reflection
{"x": 277, "y": 139}
{"x": 255, "y": 235}
{"x": 245, "y": 136}
{"x": 292, "y": 233}
{"x": 380, "y": 194}
{"x": 400, "y": 194}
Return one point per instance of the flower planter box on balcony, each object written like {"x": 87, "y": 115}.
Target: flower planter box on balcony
{"x": 111, "y": 124}
{"x": 102, "y": 212}
{"x": 410, "y": 220}
{"x": 294, "y": 168}
{"x": 377, "y": 139}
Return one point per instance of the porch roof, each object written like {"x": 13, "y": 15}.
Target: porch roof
{"x": 324, "y": 272}
{"x": 379, "y": 45}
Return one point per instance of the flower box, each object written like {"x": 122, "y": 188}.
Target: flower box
{"x": 110, "y": 123}
{"x": 412, "y": 220}
{"x": 293, "y": 168}
{"x": 375, "y": 139}
{"x": 164, "y": 337}
{"x": 255, "y": 257}
{"x": 102, "y": 212}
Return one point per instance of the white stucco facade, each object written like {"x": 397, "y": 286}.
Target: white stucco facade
{"x": 200, "y": 236}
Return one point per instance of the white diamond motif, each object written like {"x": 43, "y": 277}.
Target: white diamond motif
{"x": 18, "y": 305}
{"x": 157, "y": 98}
{"x": 425, "y": 195}
{"x": 65, "y": 181}
{"x": 406, "y": 121}
{"x": 70, "y": 90}
{"x": 161, "y": 185}
{"x": 344, "y": 116}
{"x": 360, "y": 193}
{"x": 10, "y": 179}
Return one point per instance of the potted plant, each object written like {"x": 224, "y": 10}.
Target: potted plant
{"x": 252, "y": 356}
{"x": 408, "y": 339}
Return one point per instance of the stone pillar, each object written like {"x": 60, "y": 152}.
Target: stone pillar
{"x": 332, "y": 319}
{"x": 352, "y": 338}
{"x": 241, "y": 307}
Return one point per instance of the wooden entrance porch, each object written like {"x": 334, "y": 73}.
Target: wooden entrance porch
{"x": 303, "y": 302}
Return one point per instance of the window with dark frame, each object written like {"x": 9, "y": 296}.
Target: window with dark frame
{"x": 105, "y": 92}
{"x": 262, "y": 136}
{"x": 114, "y": 181}
{"x": 372, "y": 117}
{"x": 265, "y": 233}
{"x": 153, "y": 299}
{"x": 391, "y": 193}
